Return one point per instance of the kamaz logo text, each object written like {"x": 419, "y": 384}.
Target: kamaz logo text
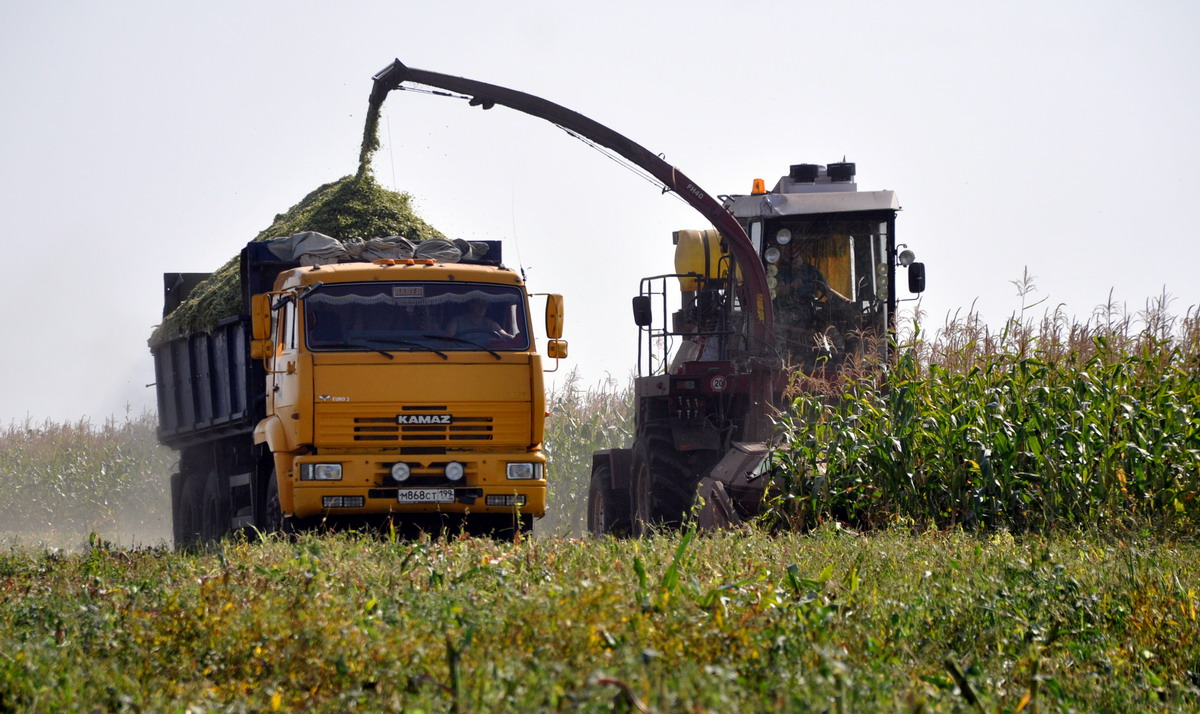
{"x": 424, "y": 419}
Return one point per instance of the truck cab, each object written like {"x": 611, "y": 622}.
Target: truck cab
{"x": 402, "y": 387}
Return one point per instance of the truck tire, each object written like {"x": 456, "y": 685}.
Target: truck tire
{"x": 273, "y": 520}
{"x": 502, "y": 527}
{"x": 189, "y": 528}
{"x": 215, "y": 514}
{"x": 177, "y": 530}
{"x": 608, "y": 508}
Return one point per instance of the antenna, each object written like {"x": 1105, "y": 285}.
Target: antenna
{"x": 516, "y": 238}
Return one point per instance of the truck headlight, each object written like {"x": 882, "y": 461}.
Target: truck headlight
{"x": 524, "y": 471}
{"x": 454, "y": 471}
{"x": 320, "y": 472}
{"x": 401, "y": 471}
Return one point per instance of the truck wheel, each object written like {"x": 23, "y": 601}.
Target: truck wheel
{"x": 608, "y": 508}
{"x": 499, "y": 526}
{"x": 272, "y": 511}
{"x": 189, "y": 528}
{"x": 508, "y": 526}
{"x": 177, "y": 530}
{"x": 215, "y": 514}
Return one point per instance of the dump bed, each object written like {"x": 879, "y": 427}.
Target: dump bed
{"x": 208, "y": 387}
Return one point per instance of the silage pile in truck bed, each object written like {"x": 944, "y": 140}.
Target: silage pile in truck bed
{"x": 352, "y": 207}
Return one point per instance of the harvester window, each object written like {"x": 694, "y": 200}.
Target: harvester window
{"x": 830, "y": 288}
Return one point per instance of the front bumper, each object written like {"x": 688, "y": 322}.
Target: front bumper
{"x": 369, "y": 477}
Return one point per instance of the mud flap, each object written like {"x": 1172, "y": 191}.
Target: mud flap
{"x": 733, "y": 490}
{"x": 714, "y": 509}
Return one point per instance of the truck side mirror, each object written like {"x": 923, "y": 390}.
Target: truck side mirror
{"x": 916, "y": 278}
{"x": 556, "y": 349}
{"x": 260, "y": 317}
{"x": 260, "y": 349}
{"x": 643, "y": 315}
{"x": 260, "y": 326}
{"x": 554, "y": 317}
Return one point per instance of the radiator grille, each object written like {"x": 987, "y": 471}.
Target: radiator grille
{"x": 342, "y": 424}
{"x": 386, "y": 429}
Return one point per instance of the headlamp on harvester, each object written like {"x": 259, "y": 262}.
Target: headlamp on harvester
{"x": 916, "y": 271}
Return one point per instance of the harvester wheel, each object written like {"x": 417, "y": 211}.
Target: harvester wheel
{"x": 663, "y": 487}
{"x": 642, "y": 516}
{"x": 608, "y": 508}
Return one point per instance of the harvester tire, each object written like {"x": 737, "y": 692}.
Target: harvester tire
{"x": 663, "y": 487}
{"x": 608, "y": 507}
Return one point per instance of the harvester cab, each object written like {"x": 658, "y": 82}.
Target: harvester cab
{"x": 831, "y": 260}
{"x": 830, "y": 254}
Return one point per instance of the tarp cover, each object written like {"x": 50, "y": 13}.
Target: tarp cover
{"x": 312, "y": 248}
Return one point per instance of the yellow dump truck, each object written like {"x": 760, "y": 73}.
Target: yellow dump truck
{"x": 405, "y": 389}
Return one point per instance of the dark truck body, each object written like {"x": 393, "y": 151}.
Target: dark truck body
{"x": 208, "y": 386}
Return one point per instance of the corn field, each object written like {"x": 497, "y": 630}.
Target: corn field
{"x": 63, "y": 481}
{"x": 1041, "y": 425}
{"x": 1045, "y": 424}
{"x": 582, "y": 420}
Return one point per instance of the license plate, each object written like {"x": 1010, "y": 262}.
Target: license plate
{"x": 426, "y": 495}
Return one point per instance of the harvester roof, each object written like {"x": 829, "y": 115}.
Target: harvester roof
{"x": 812, "y": 189}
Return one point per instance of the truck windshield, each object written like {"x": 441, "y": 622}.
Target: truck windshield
{"x": 829, "y": 281}
{"x": 413, "y": 316}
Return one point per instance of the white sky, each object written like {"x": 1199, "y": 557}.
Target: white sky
{"x": 143, "y": 137}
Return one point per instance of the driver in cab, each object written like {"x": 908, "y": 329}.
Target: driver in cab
{"x": 474, "y": 321}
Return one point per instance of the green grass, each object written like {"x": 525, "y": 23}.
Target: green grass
{"x": 742, "y": 621}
